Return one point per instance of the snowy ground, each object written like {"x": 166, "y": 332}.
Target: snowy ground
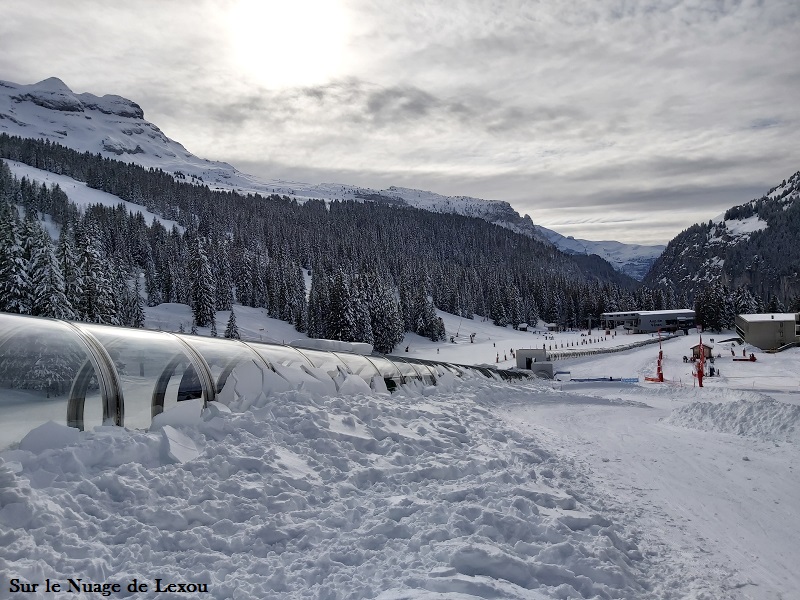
{"x": 471, "y": 489}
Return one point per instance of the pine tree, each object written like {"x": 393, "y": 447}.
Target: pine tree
{"x": 362, "y": 321}
{"x": 743, "y": 302}
{"x": 775, "y": 305}
{"x": 57, "y": 361}
{"x": 96, "y": 301}
{"x": 386, "y": 321}
{"x": 48, "y": 298}
{"x": 340, "y": 321}
{"x": 68, "y": 264}
{"x": 152, "y": 284}
{"x": 13, "y": 273}
{"x": 428, "y": 323}
{"x": 232, "y": 331}
{"x": 318, "y": 301}
{"x": 135, "y": 308}
{"x": 201, "y": 285}
{"x": 221, "y": 270}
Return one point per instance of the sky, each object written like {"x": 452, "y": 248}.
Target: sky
{"x": 602, "y": 120}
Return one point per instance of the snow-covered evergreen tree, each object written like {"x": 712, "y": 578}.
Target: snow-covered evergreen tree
{"x": 221, "y": 270}
{"x": 340, "y": 319}
{"x": 48, "y": 298}
{"x": 231, "y": 330}
{"x": 775, "y": 305}
{"x": 67, "y": 260}
{"x": 387, "y": 323}
{"x": 96, "y": 302}
{"x": 318, "y": 300}
{"x": 214, "y": 326}
{"x": 429, "y": 324}
{"x": 203, "y": 300}
{"x": 362, "y": 321}
{"x": 14, "y": 283}
{"x": 134, "y": 304}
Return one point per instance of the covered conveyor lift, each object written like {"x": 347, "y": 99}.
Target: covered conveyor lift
{"x": 84, "y": 375}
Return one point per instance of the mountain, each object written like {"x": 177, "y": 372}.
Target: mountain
{"x": 115, "y": 127}
{"x": 754, "y": 245}
{"x": 634, "y": 260}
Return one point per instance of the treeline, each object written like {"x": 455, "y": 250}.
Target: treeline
{"x": 377, "y": 271}
{"x": 716, "y": 305}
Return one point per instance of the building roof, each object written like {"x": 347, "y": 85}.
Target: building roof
{"x": 631, "y": 313}
{"x": 682, "y": 311}
{"x": 754, "y": 318}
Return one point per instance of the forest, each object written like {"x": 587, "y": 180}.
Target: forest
{"x": 376, "y": 270}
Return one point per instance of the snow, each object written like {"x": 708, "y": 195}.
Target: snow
{"x": 470, "y": 489}
{"x": 333, "y": 346}
{"x": 738, "y": 228}
{"x": 82, "y": 195}
{"x": 764, "y": 418}
{"x": 761, "y": 317}
{"x": 634, "y": 260}
{"x": 47, "y": 436}
{"x": 177, "y": 446}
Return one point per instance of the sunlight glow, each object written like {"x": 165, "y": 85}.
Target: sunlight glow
{"x": 281, "y": 43}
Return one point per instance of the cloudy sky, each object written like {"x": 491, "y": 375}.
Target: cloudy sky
{"x": 601, "y": 119}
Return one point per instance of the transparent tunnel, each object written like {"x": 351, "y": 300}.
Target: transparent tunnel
{"x": 84, "y": 375}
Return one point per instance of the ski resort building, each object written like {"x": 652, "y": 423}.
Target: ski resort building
{"x": 535, "y": 360}
{"x": 769, "y": 330}
{"x": 649, "y": 321}
{"x": 84, "y": 375}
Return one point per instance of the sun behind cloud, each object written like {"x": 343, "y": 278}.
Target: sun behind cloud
{"x": 284, "y": 44}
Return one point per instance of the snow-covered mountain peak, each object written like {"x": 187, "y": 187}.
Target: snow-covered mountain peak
{"x": 115, "y": 127}
{"x": 634, "y": 260}
{"x": 51, "y": 84}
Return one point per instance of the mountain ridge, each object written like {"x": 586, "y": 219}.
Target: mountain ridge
{"x": 115, "y": 127}
{"x": 753, "y": 245}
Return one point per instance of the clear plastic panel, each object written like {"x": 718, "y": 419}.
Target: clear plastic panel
{"x": 43, "y": 364}
{"x": 407, "y": 369}
{"x": 327, "y": 361}
{"x": 426, "y": 372}
{"x": 155, "y": 370}
{"x": 359, "y": 365}
{"x": 281, "y": 355}
{"x": 437, "y": 368}
{"x": 291, "y": 365}
{"x": 223, "y": 356}
{"x": 388, "y": 370}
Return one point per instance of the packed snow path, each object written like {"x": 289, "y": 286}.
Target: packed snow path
{"x": 725, "y": 500}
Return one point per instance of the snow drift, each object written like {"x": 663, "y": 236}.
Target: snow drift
{"x": 763, "y": 418}
{"x": 421, "y": 494}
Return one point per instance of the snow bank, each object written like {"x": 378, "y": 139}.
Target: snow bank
{"x": 422, "y": 494}
{"x": 764, "y": 418}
